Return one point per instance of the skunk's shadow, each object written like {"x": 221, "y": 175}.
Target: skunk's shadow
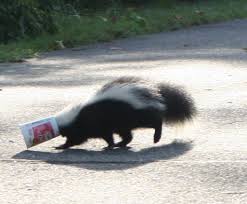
{"x": 117, "y": 159}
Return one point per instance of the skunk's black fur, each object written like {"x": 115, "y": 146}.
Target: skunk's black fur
{"x": 123, "y": 105}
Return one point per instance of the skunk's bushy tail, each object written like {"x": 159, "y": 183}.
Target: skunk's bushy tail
{"x": 179, "y": 104}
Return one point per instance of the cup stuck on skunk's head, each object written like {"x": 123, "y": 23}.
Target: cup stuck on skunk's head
{"x": 39, "y": 131}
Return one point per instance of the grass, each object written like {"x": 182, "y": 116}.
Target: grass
{"x": 124, "y": 22}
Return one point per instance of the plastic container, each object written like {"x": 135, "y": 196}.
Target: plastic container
{"x": 39, "y": 131}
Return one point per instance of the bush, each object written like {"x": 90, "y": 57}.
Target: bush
{"x": 20, "y": 18}
{"x": 30, "y": 18}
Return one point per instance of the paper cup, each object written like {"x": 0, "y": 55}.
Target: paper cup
{"x": 39, "y": 131}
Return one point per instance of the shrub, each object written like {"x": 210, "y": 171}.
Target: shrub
{"x": 20, "y": 18}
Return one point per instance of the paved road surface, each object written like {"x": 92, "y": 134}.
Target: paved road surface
{"x": 205, "y": 162}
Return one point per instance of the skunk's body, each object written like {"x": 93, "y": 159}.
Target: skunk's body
{"x": 121, "y": 106}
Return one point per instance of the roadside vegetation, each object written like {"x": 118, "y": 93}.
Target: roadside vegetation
{"x": 29, "y": 27}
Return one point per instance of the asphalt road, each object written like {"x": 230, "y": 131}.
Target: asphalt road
{"x": 204, "y": 162}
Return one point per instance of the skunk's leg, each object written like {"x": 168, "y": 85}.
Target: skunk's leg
{"x": 109, "y": 140}
{"x": 66, "y": 145}
{"x": 158, "y": 131}
{"x": 71, "y": 142}
{"x": 126, "y": 136}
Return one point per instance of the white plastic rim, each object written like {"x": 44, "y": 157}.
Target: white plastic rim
{"x": 39, "y": 131}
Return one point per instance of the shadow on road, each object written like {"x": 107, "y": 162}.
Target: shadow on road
{"x": 117, "y": 159}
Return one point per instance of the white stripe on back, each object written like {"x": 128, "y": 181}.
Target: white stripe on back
{"x": 128, "y": 94}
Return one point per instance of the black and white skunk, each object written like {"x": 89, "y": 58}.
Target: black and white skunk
{"x": 121, "y": 106}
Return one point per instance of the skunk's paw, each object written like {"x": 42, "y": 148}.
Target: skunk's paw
{"x": 108, "y": 148}
{"x": 63, "y": 146}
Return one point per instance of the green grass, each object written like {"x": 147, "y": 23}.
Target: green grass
{"x": 124, "y": 22}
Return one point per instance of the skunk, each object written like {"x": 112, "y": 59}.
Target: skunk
{"x": 121, "y": 106}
